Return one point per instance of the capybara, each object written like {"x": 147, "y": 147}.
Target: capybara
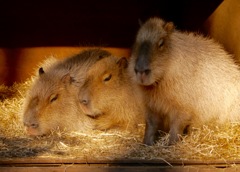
{"x": 52, "y": 99}
{"x": 109, "y": 96}
{"x": 186, "y": 79}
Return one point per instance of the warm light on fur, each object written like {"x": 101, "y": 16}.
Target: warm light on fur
{"x": 190, "y": 80}
{"x": 53, "y": 101}
{"x": 109, "y": 95}
{"x": 205, "y": 144}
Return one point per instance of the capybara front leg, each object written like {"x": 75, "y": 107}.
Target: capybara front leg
{"x": 151, "y": 130}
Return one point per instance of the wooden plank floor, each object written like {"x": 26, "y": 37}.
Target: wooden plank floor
{"x": 75, "y": 168}
{"x": 72, "y": 165}
{"x": 107, "y": 168}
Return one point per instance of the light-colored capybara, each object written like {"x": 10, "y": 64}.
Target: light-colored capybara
{"x": 52, "y": 99}
{"x": 109, "y": 96}
{"x": 186, "y": 79}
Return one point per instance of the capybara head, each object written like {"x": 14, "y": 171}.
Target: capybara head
{"x": 101, "y": 87}
{"x": 151, "y": 51}
{"x": 49, "y": 103}
{"x": 108, "y": 95}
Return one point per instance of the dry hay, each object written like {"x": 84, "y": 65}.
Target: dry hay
{"x": 206, "y": 143}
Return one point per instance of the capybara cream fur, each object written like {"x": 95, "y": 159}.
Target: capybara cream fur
{"x": 52, "y": 101}
{"x": 186, "y": 79}
{"x": 109, "y": 96}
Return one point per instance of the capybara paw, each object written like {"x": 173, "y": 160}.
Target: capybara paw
{"x": 149, "y": 141}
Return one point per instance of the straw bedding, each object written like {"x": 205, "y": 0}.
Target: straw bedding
{"x": 205, "y": 143}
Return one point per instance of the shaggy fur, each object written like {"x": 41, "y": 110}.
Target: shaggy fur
{"x": 52, "y": 100}
{"x": 186, "y": 79}
{"x": 109, "y": 95}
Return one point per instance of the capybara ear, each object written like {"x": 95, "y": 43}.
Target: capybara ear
{"x": 41, "y": 71}
{"x": 123, "y": 62}
{"x": 169, "y": 27}
{"x": 67, "y": 79}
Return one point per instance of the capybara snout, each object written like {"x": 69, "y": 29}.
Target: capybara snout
{"x": 142, "y": 66}
{"x": 31, "y": 125}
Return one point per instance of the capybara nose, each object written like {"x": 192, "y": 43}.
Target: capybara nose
{"x": 142, "y": 71}
{"x": 142, "y": 74}
{"x": 141, "y": 66}
{"x": 31, "y": 125}
{"x": 84, "y": 101}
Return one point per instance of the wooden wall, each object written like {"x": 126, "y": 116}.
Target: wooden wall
{"x": 224, "y": 26}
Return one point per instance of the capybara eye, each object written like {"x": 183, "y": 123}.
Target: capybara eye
{"x": 53, "y": 97}
{"x": 107, "y": 78}
{"x": 160, "y": 43}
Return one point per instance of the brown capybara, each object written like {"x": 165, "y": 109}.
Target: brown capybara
{"x": 109, "y": 96}
{"x": 186, "y": 79}
{"x": 52, "y": 100}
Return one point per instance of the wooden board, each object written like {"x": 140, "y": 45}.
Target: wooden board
{"x": 73, "y": 165}
{"x": 18, "y": 64}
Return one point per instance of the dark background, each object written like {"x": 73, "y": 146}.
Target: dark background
{"x": 112, "y": 23}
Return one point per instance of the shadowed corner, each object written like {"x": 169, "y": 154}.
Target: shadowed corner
{"x": 9, "y": 61}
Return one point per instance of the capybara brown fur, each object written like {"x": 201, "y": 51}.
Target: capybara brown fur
{"x": 52, "y": 100}
{"x": 186, "y": 79}
{"x": 109, "y": 96}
